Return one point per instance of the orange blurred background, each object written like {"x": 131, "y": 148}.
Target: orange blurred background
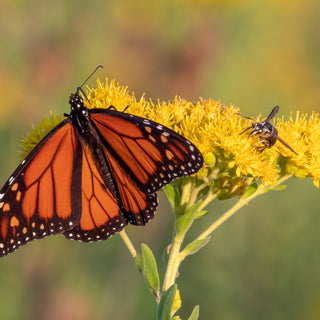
{"x": 263, "y": 263}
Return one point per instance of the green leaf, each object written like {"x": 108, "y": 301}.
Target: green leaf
{"x": 201, "y": 213}
{"x": 165, "y": 254}
{"x": 277, "y": 188}
{"x": 195, "y": 313}
{"x": 166, "y": 303}
{"x": 250, "y": 190}
{"x": 146, "y": 263}
{"x": 139, "y": 262}
{"x": 184, "y": 222}
{"x": 195, "y": 246}
{"x": 172, "y": 194}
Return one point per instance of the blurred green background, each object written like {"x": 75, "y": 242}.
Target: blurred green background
{"x": 264, "y": 262}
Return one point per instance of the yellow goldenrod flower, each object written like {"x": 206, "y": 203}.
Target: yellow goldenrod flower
{"x": 30, "y": 139}
{"x": 303, "y": 133}
{"x": 232, "y": 161}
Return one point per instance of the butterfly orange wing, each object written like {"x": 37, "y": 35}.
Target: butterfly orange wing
{"x": 142, "y": 156}
{"x": 89, "y": 187}
{"x": 101, "y": 216}
{"x": 39, "y": 199}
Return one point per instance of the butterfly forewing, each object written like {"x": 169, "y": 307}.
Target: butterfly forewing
{"x": 39, "y": 198}
{"x": 149, "y": 153}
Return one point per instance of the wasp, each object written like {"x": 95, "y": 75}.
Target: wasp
{"x": 267, "y": 132}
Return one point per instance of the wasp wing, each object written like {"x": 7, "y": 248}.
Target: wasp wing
{"x": 285, "y": 144}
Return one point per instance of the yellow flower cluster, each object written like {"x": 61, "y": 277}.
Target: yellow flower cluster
{"x": 303, "y": 133}
{"x": 232, "y": 161}
{"x": 214, "y": 128}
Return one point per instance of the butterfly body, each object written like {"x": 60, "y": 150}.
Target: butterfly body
{"x": 88, "y": 137}
{"x": 90, "y": 176}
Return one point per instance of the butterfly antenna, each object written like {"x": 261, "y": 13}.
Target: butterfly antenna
{"x": 91, "y": 74}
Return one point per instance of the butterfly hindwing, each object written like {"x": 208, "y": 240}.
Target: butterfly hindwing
{"x": 138, "y": 208}
{"x": 101, "y": 215}
{"x": 39, "y": 199}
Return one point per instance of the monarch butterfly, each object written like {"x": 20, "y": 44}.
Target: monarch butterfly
{"x": 96, "y": 171}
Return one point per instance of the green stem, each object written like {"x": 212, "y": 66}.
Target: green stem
{"x": 207, "y": 200}
{"x": 193, "y": 196}
{"x": 186, "y": 191}
{"x": 128, "y": 243}
{"x": 189, "y": 197}
{"x": 173, "y": 263}
{"x": 260, "y": 190}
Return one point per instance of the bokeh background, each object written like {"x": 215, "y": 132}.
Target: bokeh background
{"x": 264, "y": 262}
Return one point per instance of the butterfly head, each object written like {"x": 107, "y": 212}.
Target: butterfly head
{"x": 77, "y": 105}
{"x": 79, "y": 112}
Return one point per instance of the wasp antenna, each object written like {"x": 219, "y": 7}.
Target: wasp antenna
{"x": 245, "y": 130}
{"x": 239, "y": 114}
